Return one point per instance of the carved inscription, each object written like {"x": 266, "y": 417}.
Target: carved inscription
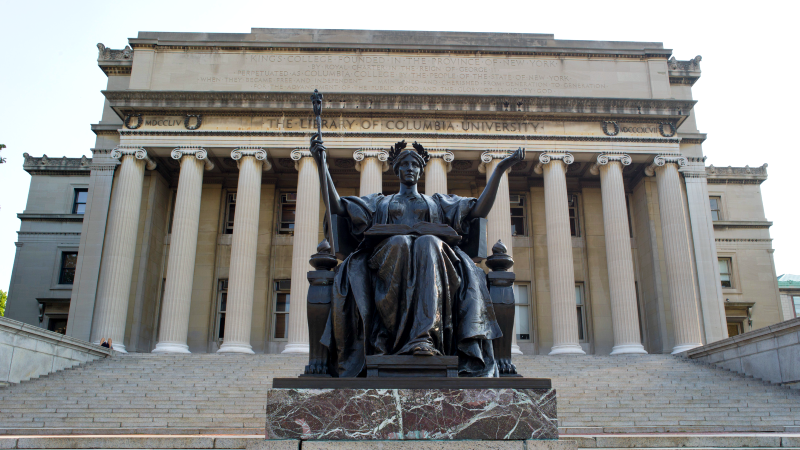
{"x": 389, "y": 73}
{"x": 343, "y": 123}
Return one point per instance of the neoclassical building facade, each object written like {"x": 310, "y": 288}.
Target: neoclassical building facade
{"x": 190, "y": 227}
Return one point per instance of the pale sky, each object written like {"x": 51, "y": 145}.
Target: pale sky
{"x": 50, "y": 83}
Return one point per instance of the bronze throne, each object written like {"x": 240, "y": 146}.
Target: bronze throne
{"x": 499, "y": 282}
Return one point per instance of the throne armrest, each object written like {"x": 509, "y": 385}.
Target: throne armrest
{"x": 474, "y": 243}
{"x": 343, "y": 242}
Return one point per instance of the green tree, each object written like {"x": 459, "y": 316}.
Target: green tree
{"x": 2, "y": 160}
{"x": 3, "y": 297}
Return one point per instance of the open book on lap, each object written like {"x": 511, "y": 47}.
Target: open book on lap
{"x": 379, "y": 232}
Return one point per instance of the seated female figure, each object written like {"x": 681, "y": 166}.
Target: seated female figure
{"x": 411, "y": 294}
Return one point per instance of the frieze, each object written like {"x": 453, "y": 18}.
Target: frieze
{"x": 466, "y": 125}
{"x": 503, "y": 137}
{"x": 107, "y": 54}
{"x": 56, "y": 166}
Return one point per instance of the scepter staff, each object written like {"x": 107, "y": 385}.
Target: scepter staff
{"x": 316, "y": 102}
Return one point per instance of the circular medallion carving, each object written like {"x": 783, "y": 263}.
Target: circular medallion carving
{"x": 196, "y": 125}
{"x": 670, "y": 125}
{"x": 128, "y": 118}
{"x": 613, "y": 124}
{"x": 462, "y": 165}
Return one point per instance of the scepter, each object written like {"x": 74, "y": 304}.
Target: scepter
{"x": 316, "y": 102}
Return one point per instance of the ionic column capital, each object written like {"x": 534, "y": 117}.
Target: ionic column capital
{"x": 661, "y": 160}
{"x": 605, "y": 158}
{"x": 371, "y": 152}
{"x": 490, "y": 155}
{"x": 259, "y": 153}
{"x": 199, "y": 153}
{"x": 298, "y": 154}
{"x": 137, "y": 152}
{"x": 546, "y": 157}
{"x": 446, "y": 155}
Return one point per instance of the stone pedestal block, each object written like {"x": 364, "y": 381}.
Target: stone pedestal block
{"x": 408, "y": 414}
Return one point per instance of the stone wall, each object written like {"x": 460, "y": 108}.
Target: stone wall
{"x": 770, "y": 353}
{"x": 27, "y": 351}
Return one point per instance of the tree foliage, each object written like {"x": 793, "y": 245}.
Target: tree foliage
{"x": 3, "y": 297}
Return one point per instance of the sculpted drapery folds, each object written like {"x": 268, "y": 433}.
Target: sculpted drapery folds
{"x": 410, "y": 294}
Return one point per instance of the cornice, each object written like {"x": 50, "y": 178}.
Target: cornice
{"x": 736, "y": 175}
{"x": 115, "y": 62}
{"x": 127, "y": 101}
{"x": 56, "y": 166}
{"x": 742, "y": 224}
{"x": 684, "y": 72}
{"x": 50, "y": 217}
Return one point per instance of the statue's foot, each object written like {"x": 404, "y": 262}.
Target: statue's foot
{"x": 425, "y": 350}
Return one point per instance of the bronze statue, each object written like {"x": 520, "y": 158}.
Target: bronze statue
{"x": 407, "y": 289}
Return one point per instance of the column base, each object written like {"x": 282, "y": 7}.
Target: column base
{"x": 628, "y": 349}
{"x": 682, "y": 348}
{"x": 566, "y": 349}
{"x": 515, "y": 349}
{"x": 168, "y": 347}
{"x": 236, "y": 348}
{"x": 296, "y": 348}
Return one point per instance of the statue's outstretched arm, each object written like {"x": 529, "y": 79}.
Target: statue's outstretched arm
{"x": 486, "y": 200}
{"x": 317, "y": 149}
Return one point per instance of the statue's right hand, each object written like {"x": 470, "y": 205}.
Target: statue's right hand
{"x": 317, "y": 147}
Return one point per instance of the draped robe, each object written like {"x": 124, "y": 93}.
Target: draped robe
{"x": 410, "y": 291}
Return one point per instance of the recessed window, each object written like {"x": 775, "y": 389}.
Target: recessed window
{"x": 725, "y": 272}
{"x": 281, "y": 310}
{"x": 522, "y": 312}
{"x": 735, "y": 328}
{"x": 230, "y": 211}
{"x": 79, "y": 201}
{"x": 69, "y": 261}
{"x": 518, "y": 227}
{"x": 796, "y": 300}
{"x": 574, "y": 225}
{"x": 288, "y": 208}
{"x": 222, "y": 307}
{"x": 57, "y": 325}
{"x": 581, "y": 304}
{"x": 715, "y": 207}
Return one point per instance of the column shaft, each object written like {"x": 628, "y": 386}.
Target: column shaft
{"x": 559, "y": 260}
{"x": 174, "y": 328}
{"x": 675, "y": 232}
{"x": 306, "y": 238}
{"x": 241, "y": 282}
{"x": 116, "y": 270}
{"x": 624, "y": 311}
{"x": 436, "y": 180}
{"x": 371, "y": 176}
{"x": 705, "y": 252}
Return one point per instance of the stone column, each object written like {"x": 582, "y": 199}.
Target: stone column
{"x": 241, "y": 282}
{"x": 174, "y": 328}
{"x": 677, "y": 250}
{"x": 559, "y": 253}
{"x": 499, "y": 218}
{"x": 436, "y": 172}
{"x": 712, "y": 304}
{"x": 116, "y": 269}
{"x": 306, "y": 238}
{"x": 371, "y": 162}
{"x": 621, "y": 283}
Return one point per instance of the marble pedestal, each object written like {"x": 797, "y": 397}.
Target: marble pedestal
{"x": 408, "y": 414}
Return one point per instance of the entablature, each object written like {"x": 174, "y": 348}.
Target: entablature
{"x": 56, "y": 166}
{"x": 115, "y": 62}
{"x": 736, "y": 175}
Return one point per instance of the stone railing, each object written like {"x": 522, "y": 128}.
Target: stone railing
{"x": 27, "y": 351}
{"x": 771, "y": 353}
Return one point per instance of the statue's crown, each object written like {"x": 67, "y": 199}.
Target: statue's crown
{"x": 397, "y": 149}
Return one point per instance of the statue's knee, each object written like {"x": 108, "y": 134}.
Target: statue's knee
{"x": 427, "y": 242}
{"x": 400, "y": 242}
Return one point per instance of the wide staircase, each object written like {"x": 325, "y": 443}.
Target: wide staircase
{"x": 226, "y": 394}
